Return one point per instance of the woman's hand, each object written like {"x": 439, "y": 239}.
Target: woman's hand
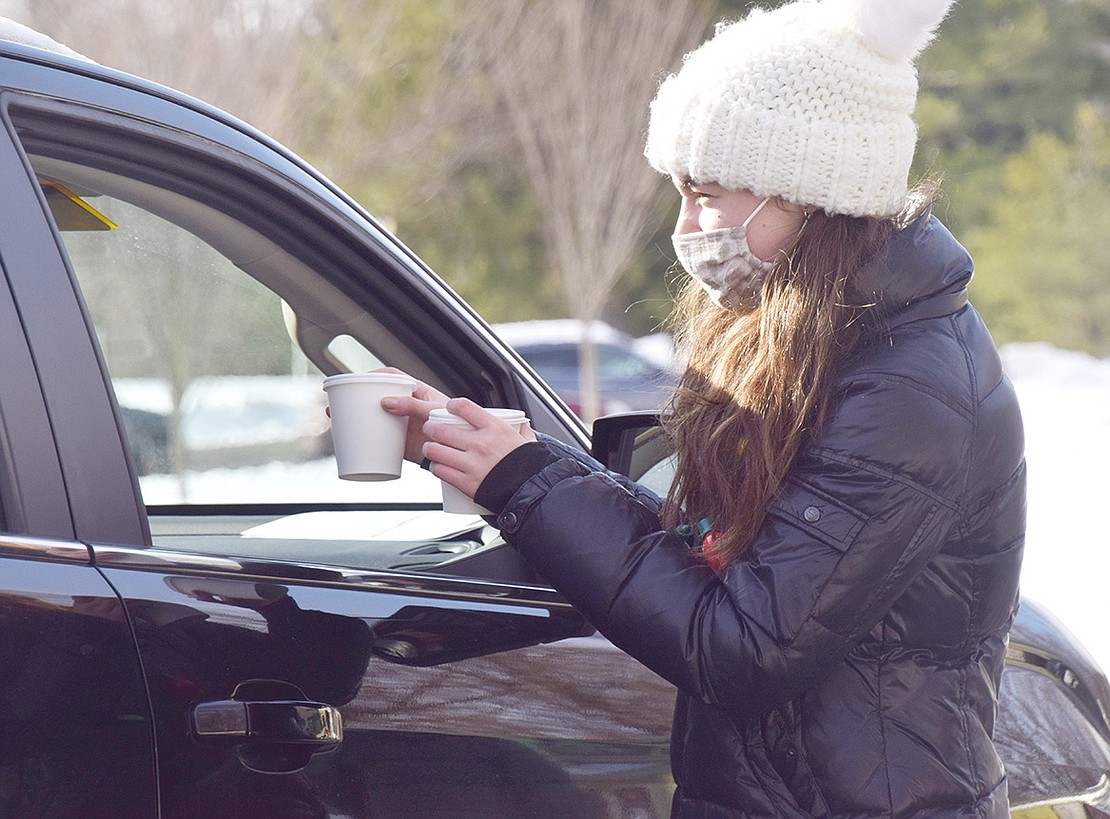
{"x": 423, "y": 400}
{"x": 462, "y": 456}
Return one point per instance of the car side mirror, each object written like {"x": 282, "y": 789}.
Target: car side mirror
{"x": 631, "y": 443}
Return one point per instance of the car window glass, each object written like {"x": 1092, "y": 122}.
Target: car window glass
{"x": 218, "y": 403}
{"x": 223, "y": 412}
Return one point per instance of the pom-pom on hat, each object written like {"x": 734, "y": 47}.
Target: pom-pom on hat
{"x": 811, "y": 102}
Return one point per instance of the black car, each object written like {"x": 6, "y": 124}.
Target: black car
{"x": 253, "y": 637}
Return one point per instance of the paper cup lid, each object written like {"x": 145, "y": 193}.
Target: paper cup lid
{"x": 443, "y": 416}
{"x": 369, "y": 378}
{"x": 507, "y": 414}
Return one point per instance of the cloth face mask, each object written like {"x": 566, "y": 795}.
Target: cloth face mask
{"x": 722, "y": 262}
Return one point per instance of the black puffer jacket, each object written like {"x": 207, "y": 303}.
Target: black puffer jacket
{"x": 849, "y": 666}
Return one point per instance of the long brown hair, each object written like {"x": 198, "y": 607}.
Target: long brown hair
{"x": 759, "y": 382}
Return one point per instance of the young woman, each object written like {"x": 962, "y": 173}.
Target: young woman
{"x": 831, "y": 579}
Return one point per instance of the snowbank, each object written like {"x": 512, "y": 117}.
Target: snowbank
{"x": 1065, "y": 402}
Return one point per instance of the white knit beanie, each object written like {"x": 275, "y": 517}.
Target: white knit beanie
{"x": 811, "y": 102}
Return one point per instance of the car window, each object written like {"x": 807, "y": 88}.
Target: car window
{"x": 218, "y": 402}
{"x": 215, "y": 338}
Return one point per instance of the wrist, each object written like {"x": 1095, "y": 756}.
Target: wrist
{"x": 510, "y": 473}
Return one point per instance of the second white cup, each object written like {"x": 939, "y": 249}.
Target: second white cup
{"x": 453, "y": 499}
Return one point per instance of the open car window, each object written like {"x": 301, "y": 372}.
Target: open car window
{"x": 219, "y": 402}
{"x": 220, "y": 302}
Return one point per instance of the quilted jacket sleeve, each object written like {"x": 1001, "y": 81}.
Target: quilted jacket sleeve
{"x": 649, "y": 498}
{"x": 861, "y": 513}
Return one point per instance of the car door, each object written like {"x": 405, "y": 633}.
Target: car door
{"x": 77, "y": 737}
{"x": 308, "y": 646}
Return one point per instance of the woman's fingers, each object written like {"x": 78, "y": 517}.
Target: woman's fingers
{"x": 416, "y": 408}
{"x": 470, "y": 412}
{"x": 464, "y": 455}
{"x": 431, "y": 394}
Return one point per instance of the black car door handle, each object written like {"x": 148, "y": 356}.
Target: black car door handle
{"x": 272, "y": 735}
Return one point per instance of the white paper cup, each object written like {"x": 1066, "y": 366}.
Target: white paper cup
{"x": 455, "y": 500}
{"x": 369, "y": 442}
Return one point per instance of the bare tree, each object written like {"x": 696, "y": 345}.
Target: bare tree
{"x": 236, "y": 54}
{"x": 396, "y": 88}
{"x": 575, "y": 78}
{"x": 558, "y": 89}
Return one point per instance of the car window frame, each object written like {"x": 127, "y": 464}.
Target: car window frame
{"x": 32, "y": 493}
{"x": 499, "y": 382}
{"x": 78, "y": 497}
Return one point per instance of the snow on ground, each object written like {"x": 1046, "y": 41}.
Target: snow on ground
{"x": 1065, "y": 403}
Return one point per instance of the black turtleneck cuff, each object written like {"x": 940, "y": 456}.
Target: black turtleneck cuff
{"x": 511, "y": 473}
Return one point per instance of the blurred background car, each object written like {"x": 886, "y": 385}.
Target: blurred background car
{"x": 225, "y": 421}
{"x": 632, "y": 374}
{"x": 236, "y": 421}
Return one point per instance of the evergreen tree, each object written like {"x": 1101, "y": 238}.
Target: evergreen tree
{"x": 1043, "y": 252}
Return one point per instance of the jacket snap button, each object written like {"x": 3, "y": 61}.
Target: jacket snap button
{"x": 812, "y": 514}
{"x": 508, "y": 520}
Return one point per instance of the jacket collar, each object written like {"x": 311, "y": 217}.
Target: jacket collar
{"x": 922, "y": 273}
